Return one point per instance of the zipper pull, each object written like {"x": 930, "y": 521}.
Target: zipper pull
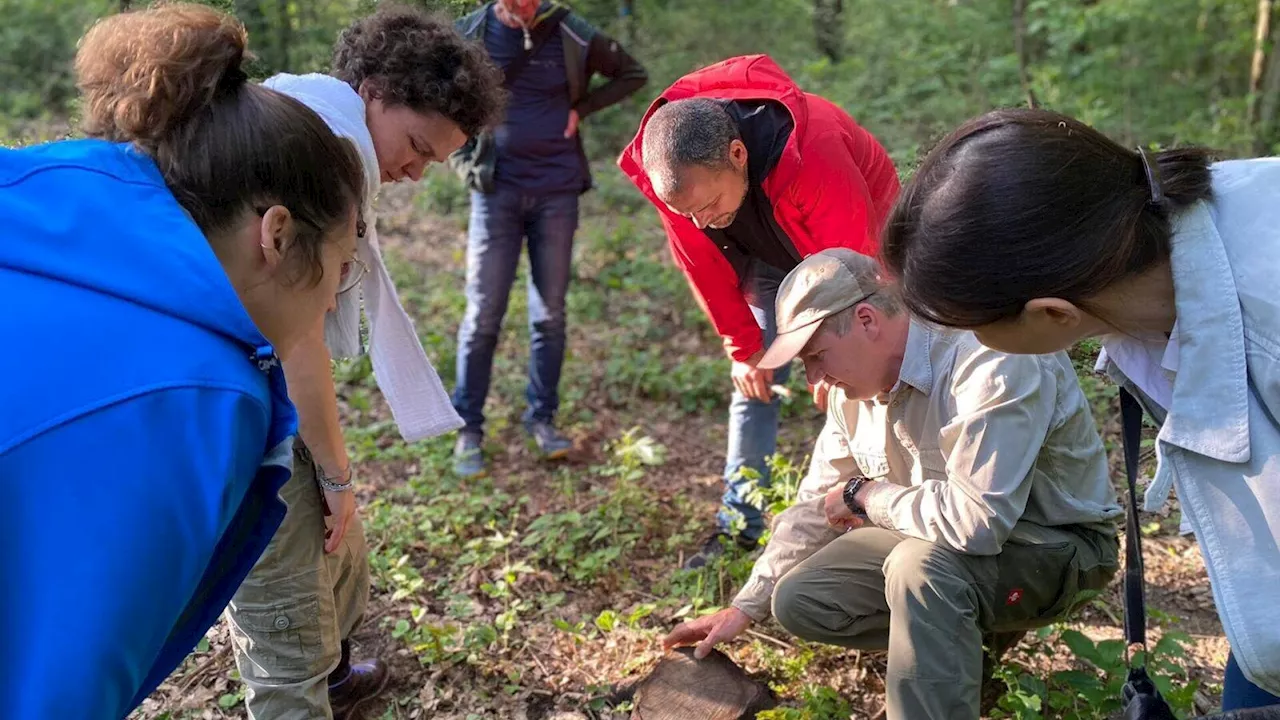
{"x": 266, "y": 358}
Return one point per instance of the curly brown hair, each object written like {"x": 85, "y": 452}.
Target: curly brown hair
{"x": 420, "y": 61}
{"x": 168, "y": 80}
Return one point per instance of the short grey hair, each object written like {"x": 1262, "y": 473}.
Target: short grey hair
{"x": 682, "y": 133}
{"x": 884, "y": 298}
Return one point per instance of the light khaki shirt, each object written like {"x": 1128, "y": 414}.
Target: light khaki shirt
{"x": 971, "y": 448}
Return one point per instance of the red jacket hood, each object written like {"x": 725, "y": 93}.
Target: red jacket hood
{"x": 749, "y": 77}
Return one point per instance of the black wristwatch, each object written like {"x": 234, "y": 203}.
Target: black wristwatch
{"x": 851, "y": 489}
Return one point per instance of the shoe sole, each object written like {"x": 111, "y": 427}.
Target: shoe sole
{"x": 358, "y": 706}
{"x": 557, "y": 454}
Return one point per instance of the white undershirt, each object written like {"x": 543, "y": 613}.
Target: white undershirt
{"x": 1150, "y": 364}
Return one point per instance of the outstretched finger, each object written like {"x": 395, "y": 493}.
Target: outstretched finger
{"x": 715, "y": 637}
{"x": 683, "y": 634}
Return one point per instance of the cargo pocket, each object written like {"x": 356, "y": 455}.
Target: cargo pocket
{"x": 283, "y": 640}
{"x": 1035, "y": 584}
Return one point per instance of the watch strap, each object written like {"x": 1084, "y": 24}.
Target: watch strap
{"x": 851, "y": 489}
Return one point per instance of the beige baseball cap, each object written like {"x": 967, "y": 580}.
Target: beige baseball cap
{"x": 822, "y": 285}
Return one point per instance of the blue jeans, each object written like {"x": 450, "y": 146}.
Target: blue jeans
{"x": 753, "y": 425}
{"x": 1238, "y": 693}
{"x": 500, "y": 221}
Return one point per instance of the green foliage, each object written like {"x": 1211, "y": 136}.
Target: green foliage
{"x": 817, "y": 703}
{"x": 37, "y": 44}
{"x": 1150, "y": 71}
{"x": 587, "y": 541}
{"x": 1092, "y": 692}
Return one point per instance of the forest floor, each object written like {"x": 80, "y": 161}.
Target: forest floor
{"x": 532, "y": 592}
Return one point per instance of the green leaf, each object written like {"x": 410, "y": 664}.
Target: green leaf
{"x": 401, "y": 629}
{"x": 606, "y": 620}
{"x": 1082, "y": 647}
{"x": 228, "y": 701}
{"x": 641, "y": 612}
{"x": 1033, "y": 685}
{"x": 1078, "y": 680}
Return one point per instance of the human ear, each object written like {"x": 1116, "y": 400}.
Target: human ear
{"x": 1057, "y": 312}
{"x": 275, "y": 235}
{"x": 867, "y": 320}
{"x": 738, "y": 154}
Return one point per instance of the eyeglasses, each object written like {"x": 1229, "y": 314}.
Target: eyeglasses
{"x": 353, "y": 269}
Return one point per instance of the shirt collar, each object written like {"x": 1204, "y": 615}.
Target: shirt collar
{"x": 1209, "y": 414}
{"x": 917, "y": 362}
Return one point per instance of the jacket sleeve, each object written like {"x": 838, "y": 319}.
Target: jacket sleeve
{"x": 832, "y": 196}
{"x": 715, "y": 286}
{"x": 118, "y": 514}
{"x": 1004, "y": 408}
{"x": 802, "y": 529}
{"x": 605, "y": 56}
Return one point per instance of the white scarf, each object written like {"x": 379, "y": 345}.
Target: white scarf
{"x": 413, "y": 390}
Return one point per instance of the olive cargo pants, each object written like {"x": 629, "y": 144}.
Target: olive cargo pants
{"x": 930, "y": 606}
{"x": 297, "y": 605}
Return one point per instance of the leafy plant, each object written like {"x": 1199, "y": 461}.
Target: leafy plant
{"x": 1094, "y": 692}
{"x": 818, "y": 702}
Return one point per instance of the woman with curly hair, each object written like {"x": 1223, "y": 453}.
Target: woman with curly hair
{"x": 406, "y": 91}
{"x": 159, "y": 270}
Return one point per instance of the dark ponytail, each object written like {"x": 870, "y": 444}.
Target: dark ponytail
{"x": 1020, "y": 204}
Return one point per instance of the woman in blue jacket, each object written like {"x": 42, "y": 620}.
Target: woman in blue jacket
{"x": 1035, "y": 230}
{"x": 150, "y": 276}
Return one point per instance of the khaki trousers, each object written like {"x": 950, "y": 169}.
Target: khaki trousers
{"x": 297, "y": 605}
{"x": 929, "y": 606}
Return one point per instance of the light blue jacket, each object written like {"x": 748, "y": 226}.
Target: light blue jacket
{"x": 1219, "y": 443}
{"x": 144, "y": 432}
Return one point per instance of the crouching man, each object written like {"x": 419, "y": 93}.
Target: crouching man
{"x": 955, "y": 493}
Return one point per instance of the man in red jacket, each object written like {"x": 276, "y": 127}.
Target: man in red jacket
{"x": 750, "y": 175}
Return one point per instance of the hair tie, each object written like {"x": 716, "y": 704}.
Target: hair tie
{"x": 1154, "y": 184}
{"x": 233, "y": 78}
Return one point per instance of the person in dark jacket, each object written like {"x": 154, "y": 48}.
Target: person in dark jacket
{"x": 160, "y": 272}
{"x": 531, "y": 191}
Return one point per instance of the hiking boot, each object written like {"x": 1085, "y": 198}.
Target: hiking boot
{"x": 468, "y": 459}
{"x": 364, "y": 681}
{"x": 551, "y": 443}
{"x": 713, "y": 547}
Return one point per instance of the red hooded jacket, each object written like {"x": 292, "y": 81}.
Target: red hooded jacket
{"x": 832, "y": 187}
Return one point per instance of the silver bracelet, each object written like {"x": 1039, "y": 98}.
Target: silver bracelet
{"x": 331, "y": 484}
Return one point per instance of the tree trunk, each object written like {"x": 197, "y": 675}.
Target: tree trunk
{"x": 1264, "y": 133}
{"x": 1020, "y": 47}
{"x": 828, "y": 28}
{"x": 255, "y": 22}
{"x": 627, "y": 15}
{"x": 125, "y": 5}
{"x": 285, "y": 36}
{"x": 1260, "y": 34}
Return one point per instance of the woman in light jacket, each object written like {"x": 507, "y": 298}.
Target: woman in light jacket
{"x": 1036, "y": 231}
{"x": 155, "y": 275}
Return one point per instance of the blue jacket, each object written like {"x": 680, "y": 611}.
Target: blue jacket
{"x": 1219, "y": 441}
{"x": 144, "y": 434}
